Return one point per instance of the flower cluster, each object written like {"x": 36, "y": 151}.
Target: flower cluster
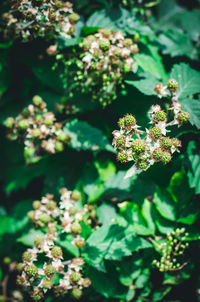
{"x": 150, "y": 146}
{"x": 170, "y": 250}
{"x": 29, "y": 19}
{"x": 43, "y": 266}
{"x": 38, "y": 130}
{"x": 104, "y": 60}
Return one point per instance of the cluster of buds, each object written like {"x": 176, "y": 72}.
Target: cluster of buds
{"x": 105, "y": 58}
{"x": 29, "y": 19}
{"x": 56, "y": 222}
{"x": 38, "y": 130}
{"x": 171, "y": 250}
{"x": 139, "y": 3}
{"x": 152, "y": 145}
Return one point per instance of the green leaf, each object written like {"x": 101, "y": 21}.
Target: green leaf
{"x": 105, "y": 213}
{"x": 28, "y": 239}
{"x": 188, "y": 79}
{"x": 177, "y": 43}
{"x": 112, "y": 242}
{"x": 193, "y": 107}
{"x": 149, "y": 64}
{"x": 164, "y": 204}
{"x": 145, "y": 85}
{"x": 194, "y": 169}
{"x": 86, "y": 137}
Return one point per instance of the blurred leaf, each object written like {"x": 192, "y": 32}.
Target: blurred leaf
{"x": 194, "y": 169}
{"x": 105, "y": 213}
{"x": 86, "y": 137}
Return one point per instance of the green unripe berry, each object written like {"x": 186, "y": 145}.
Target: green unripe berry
{"x": 122, "y": 157}
{"x": 56, "y": 252}
{"x": 29, "y": 152}
{"x": 75, "y": 277}
{"x": 26, "y": 256}
{"x": 104, "y": 44}
{"x": 138, "y": 145}
{"x": 76, "y": 293}
{"x": 38, "y": 240}
{"x": 73, "y": 211}
{"x": 31, "y": 215}
{"x": 76, "y": 228}
{"x": 105, "y": 32}
{"x": 62, "y": 137}
{"x": 155, "y": 133}
{"x": 167, "y": 143}
{"x": 121, "y": 122}
{"x": 127, "y": 67}
{"x": 50, "y": 270}
{"x": 129, "y": 120}
{"x": 142, "y": 164}
{"x": 76, "y": 195}
{"x": 49, "y": 120}
{"x": 183, "y": 117}
{"x": 36, "y": 204}
{"x": 37, "y": 100}
{"x": 128, "y": 42}
{"x": 172, "y": 85}
{"x": 120, "y": 141}
{"x": 20, "y": 267}
{"x": 166, "y": 158}
{"x": 157, "y": 154}
{"x": 86, "y": 282}
{"x": 31, "y": 271}
{"x": 51, "y": 205}
{"x": 9, "y": 122}
{"x": 44, "y": 218}
{"x": 46, "y": 283}
{"x": 20, "y": 281}
{"x": 36, "y": 133}
{"x": 79, "y": 242}
{"x": 159, "y": 116}
{"x": 7, "y": 260}
{"x": 73, "y": 18}
{"x": 23, "y": 124}
{"x": 59, "y": 146}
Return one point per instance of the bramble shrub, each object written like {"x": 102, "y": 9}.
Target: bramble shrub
{"x": 100, "y": 160}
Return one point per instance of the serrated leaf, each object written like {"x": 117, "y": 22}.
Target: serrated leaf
{"x": 193, "y": 107}
{"x": 177, "y": 43}
{"x": 112, "y": 242}
{"x": 86, "y": 137}
{"x": 194, "y": 170}
{"x": 188, "y": 79}
{"x": 145, "y": 85}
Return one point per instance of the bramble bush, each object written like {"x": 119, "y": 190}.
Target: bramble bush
{"x": 100, "y": 160}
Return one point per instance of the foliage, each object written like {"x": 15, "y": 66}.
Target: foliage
{"x": 68, "y": 73}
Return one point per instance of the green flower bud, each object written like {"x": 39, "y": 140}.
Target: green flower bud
{"x": 172, "y": 85}
{"x": 138, "y": 145}
{"x": 50, "y": 271}
{"x": 9, "y": 122}
{"x": 76, "y": 228}
{"x": 37, "y": 295}
{"x": 128, "y": 42}
{"x": 73, "y": 18}
{"x": 79, "y": 242}
{"x": 59, "y": 146}
{"x": 46, "y": 283}
{"x": 62, "y": 137}
{"x": 44, "y": 218}
{"x": 7, "y": 260}
{"x": 75, "y": 277}
{"x": 76, "y": 293}
{"x": 20, "y": 267}
{"x": 76, "y": 195}
{"x": 37, "y": 100}
{"x": 38, "y": 240}
{"x": 35, "y": 133}
{"x": 26, "y": 256}
{"x": 31, "y": 271}
{"x": 29, "y": 152}
{"x": 36, "y": 204}
{"x": 51, "y": 205}
{"x": 31, "y": 215}
{"x": 56, "y": 252}
{"x": 86, "y": 282}
{"x": 20, "y": 281}
{"x": 104, "y": 44}
{"x": 106, "y": 32}
{"x": 23, "y": 124}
